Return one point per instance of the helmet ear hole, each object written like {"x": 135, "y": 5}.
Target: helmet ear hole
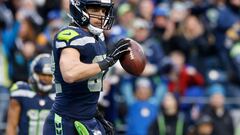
{"x": 84, "y": 18}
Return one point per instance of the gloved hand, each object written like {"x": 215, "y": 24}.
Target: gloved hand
{"x": 108, "y": 126}
{"x": 115, "y": 53}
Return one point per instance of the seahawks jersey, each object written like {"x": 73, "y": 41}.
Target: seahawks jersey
{"x": 34, "y": 108}
{"x": 78, "y": 100}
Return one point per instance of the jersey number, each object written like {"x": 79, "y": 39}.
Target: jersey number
{"x": 95, "y": 83}
{"x": 36, "y": 121}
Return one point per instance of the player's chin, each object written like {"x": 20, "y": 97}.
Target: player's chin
{"x": 97, "y": 24}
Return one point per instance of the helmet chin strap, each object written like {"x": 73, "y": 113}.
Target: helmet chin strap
{"x": 94, "y": 30}
{"x": 40, "y": 86}
{"x": 44, "y": 88}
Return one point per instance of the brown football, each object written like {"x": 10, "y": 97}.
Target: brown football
{"x": 134, "y": 61}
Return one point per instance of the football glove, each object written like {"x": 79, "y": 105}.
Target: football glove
{"x": 115, "y": 54}
{"x": 108, "y": 126}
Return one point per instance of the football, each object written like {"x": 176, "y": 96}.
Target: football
{"x": 134, "y": 61}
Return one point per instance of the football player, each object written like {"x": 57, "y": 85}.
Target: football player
{"x": 31, "y": 102}
{"x": 80, "y": 61}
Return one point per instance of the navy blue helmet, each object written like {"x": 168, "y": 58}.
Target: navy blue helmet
{"x": 41, "y": 65}
{"x": 78, "y": 11}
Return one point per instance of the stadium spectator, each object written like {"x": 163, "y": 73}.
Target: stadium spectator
{"x": 170, "y": 121}
{"x": 204, "y": 126}
{"x": 182, "y": 76}
{"x": 145, "y": 10}
{"x": 222, "y": 120}
{"x": 142, "y": 104}
{"x": 206, "y": 31}
{"x": 163, "y": 27}
{"x": 151, "y": 48}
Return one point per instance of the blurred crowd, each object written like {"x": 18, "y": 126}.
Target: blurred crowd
{"x": 192, "y": 49}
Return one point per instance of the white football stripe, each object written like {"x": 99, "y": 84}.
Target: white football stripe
{"x": 23, "y": 93}
{"x": 82, "y": 41}
{"x": 60, "y": 44}
{"x": 106, "y": 1}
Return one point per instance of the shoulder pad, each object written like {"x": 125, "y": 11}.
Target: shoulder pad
{"x": 52, "y": 96}
{"x": 22, "y": 89}
{"x": 66, "y": 35}
{"x": 20, "y": 85}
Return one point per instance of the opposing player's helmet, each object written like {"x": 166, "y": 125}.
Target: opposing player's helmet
{"x": 41, "y": 65}
{"x": 78, "y": 11}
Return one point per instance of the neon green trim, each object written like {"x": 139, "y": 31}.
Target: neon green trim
{"x": 14, "y": 87}
{"x": 67, "y": 35}
{"x": 161, "y": 125}
{"x": 38, "y": 123}
{"x": 58, "y": 124}
{"x": 179, "y": 128}
{"x": 237, "y": 130}
{"x": 82, "y": 130}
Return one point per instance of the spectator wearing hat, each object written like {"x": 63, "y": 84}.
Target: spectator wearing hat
{"x": 142, "y": 105}
{"x": 123, "y": 27}
{"x": 151, "y": 47}
{"x": 160, "y": 20}
{"x": 163, "y": 27}
{"x": 222, "y": 120}
{"x": 204, "y": 126}
{"x": 125, "y": 18}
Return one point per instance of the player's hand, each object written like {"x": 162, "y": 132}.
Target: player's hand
{"x": 115, "y": 54}
{"x": 108, "y": 126}
{"x": 118, "y": 49}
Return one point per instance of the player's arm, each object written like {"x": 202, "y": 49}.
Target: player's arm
{"x": 73, "y": 69}
{"x": 13, "y": 117}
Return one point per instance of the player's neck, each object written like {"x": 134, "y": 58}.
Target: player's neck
{"x": 42, "y": 93}
{"x": 76, "y": 25}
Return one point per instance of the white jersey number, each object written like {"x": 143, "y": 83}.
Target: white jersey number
{"x": 95, "y": 83}
{"x": 36, "y": 121}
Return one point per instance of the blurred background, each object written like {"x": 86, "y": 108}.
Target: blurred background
{"x": 191, "y": 83}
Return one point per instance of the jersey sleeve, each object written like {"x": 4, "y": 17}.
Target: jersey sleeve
{"x": 21, "y": 90}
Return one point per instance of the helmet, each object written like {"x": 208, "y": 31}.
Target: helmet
{"x": 78, "y": 11}
{"x": 41, "y": 65}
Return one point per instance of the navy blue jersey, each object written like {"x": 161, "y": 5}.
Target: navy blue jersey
{"x": 34, "y": 108}
{"x": 77, "y": 100}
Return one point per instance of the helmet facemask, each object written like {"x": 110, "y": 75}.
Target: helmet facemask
{"x": 41, "y": 85}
